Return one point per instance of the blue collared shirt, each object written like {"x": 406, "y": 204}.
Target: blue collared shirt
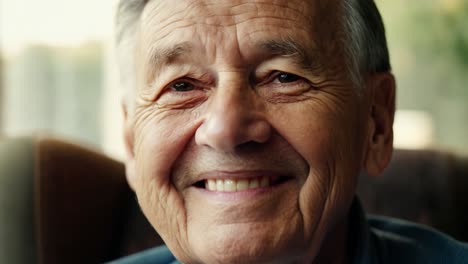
{"x": 384, "y": 240}
{"x": 375, "y": 240}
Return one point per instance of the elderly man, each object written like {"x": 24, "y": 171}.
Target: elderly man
{"x": 247, "y": 123}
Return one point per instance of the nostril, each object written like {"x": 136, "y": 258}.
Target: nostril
{"x": 250, "y": 146}
{"x": 226, "y": 126}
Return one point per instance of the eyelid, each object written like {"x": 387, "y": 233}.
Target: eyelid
{"x": 196, "y": 82}
{"x": 178, "y": 80}
{"x": 169, "y": 74}
{"x": 197, "y": 93}
{"x": 169, "y": 97}
{"x": 265, "y": 77}
{"x": 272, "y": 75}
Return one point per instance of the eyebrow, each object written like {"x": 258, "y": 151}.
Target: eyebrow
{"x": 160, "y": 56}
{"x": 170, "y": 54}
{"x": 305, "y": 58}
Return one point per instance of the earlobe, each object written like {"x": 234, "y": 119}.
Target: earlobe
{"x": 380, "y": 122}
{"x": 129, "y": 143}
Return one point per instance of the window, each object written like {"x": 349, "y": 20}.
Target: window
{"x": 429, "y": 51}
{"x": 58, "y": 71}
{"x": 58, "y": 74}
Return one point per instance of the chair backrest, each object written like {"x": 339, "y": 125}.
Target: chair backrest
{"x": 80, "y": 201}
{"x": 64, "y": 203}
{"x": 424, "y": 186}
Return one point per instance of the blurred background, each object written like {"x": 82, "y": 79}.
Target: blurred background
{"x": 58, "y": 74}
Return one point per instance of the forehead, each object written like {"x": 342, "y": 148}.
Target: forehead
{"x": 223, "y": 12}
{"x": 228, "y": 33}
{"x": 160, "y": 18}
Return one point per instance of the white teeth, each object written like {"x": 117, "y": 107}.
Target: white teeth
{"x": 231, "y": 185}
{"x": 242, "y": 185}
{"x": 219, "y": 185}
{"x": 253, "y": 183}
{"x": 210, "y": 185}
{"x": 265, "y": 182}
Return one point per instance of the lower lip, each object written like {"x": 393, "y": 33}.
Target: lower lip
{"x": 242, "y": 195}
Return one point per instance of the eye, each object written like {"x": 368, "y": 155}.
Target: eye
{"x": 278, "y": 85}
{"x": 182, "y": 86}
{"x": 284, "y": 77}
{"x": 185, "y": 92}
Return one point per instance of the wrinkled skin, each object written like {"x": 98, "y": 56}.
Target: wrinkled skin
{"x": 214, "y": 100}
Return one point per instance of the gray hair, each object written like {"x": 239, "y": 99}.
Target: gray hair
{"x": 364, "y": 44}
{"x": 127, "y": 18}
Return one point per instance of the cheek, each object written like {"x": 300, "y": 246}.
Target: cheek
{"x": 159, "y": 139}
{"x": 327, "y": 138}
{"x": 329, "y": 142}
{"x": 308, "y": 130}
{"x": 313, "y": 143}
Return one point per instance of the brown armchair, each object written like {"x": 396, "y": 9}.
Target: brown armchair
{"x": 424, "y": 186}
{"x": 63, "y": 203}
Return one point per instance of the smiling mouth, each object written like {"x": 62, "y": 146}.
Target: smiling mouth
{"x": 237, "y": 185}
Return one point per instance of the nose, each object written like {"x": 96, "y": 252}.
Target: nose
{"x": 233, "y": 118}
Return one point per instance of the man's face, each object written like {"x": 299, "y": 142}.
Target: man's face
{"x": 247, "y": 135}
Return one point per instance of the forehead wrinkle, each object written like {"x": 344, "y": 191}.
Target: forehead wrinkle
{"x": 225, "y": 13}
{"x": 159, "y": 57}
{"x": 168, "y": 55}
{"x": 305, "y": 58}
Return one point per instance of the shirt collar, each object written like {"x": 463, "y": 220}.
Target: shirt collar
{"x": 361, "y": 239}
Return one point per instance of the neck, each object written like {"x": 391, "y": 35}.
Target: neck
{"x": 336, "y": 247}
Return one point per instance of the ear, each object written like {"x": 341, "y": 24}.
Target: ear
{"x": 129, "y": 144}
{"x": 381, "y": 91}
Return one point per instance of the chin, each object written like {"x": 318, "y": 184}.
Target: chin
{"x": 246, "y": 243}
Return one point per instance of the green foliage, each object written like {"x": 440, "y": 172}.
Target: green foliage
{"x": 428, "y": 42}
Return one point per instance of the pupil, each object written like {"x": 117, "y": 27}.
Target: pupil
{"x": 182, "y": 87}
{"x": 285, "y": 78}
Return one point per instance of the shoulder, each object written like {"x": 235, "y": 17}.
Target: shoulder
{"x": 402, "y": 240}
{"x": 158, "y": 255}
